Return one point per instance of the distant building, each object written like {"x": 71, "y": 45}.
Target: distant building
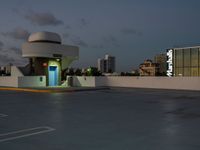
{"x": 8, "y": 69}
{"x": 5, "y": 70}
{"x": 161, "y": 60}
{"x": 148, "y": 68}
{"x": 107, "y": 64}
{"x": 101, "y": 65}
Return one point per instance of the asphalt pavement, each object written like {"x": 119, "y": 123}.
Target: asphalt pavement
{"x": 106, "y": 119}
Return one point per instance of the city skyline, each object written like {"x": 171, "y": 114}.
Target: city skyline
{"x": 132, "y": 31}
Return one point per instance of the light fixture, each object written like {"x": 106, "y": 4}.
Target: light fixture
{"x": 44, "y": 64}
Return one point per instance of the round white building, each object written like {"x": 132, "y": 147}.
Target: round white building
{"x": 48, "y": 56}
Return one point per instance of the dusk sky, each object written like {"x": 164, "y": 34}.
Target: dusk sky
{"x": 130, "y": 30}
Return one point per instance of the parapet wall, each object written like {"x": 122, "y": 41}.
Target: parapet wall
{"x": 23, "y": 81}
{"x": 178, "y": 83}
{"x": 8, "y": 81}
{"x": 32, "y": 81}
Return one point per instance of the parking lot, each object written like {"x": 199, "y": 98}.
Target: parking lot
{"x": 105, "y": 119}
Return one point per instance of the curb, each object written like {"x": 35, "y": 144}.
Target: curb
{"x": 50, "y": 90}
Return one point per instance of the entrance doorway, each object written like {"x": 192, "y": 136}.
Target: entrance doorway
{"x": 53, "y": 75}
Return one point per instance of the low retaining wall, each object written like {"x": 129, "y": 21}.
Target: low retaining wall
{"x": 32, "y": 81}
{"x": 9, "y": 81}
{"x": 23, "y": 81}
{"x": 179, "y": 83}
{"x": 85, "y": 81}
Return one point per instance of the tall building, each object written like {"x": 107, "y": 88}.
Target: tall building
{"x": 161, "y": 60}
{"x": 183, "y": 61}
{"x": 101, "y": 65}
{"x": 107, "y": 64}
{"x": 110, "y": 63}
{"x": 148, "y": 68}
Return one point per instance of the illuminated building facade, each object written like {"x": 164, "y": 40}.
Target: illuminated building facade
{"x": 148, "y": 68}
{"x": 48, "y": 56}
{"x": 183, "y": 61}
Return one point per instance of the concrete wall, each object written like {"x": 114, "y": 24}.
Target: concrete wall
{"x": 179, "y": 83}
{"x": 9, "y": 81}
{"x": 46, "y": 49}
{"x": 15, "y": 71}
{"x": 85, "y": 81}
{"x": 32, "y": 81}
{"x": 24, "y": 81}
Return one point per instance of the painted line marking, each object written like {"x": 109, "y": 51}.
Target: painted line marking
{"x": 24, "y": 90}
{"x": 24, "y": 133}
{"x": 3, "y": 115}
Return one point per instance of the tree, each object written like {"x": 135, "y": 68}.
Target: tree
{"x": 93, "y": 71}
{"x": 78, "y": 72}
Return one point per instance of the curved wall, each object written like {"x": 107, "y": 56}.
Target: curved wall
{"x": 44, "y": 36}
{"x": 48, "y": 50}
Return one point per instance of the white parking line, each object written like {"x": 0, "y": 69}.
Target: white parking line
{"x": 24, "y": 133}
{"x": 3, "y": 115}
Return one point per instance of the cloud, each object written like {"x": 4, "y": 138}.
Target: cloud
{"x": 79, "y": 42}
{"x": 43, "y": 19}
{"x": 65, "y": 35}
{"x": 98, "y": 46}
{"x": 68, "y": 27}
{"x": 18, "y": 33}
{"x": 5, "y": 59}
{"x": 111, "y": 40}
{"x": 107, "y": 41}
{"x": 12, "y": 55}
{"x": 130, "y": 31}
{"x": 83, "y": 23}
{"x": 1, "y": 45}
{"x": 16, "y": 50}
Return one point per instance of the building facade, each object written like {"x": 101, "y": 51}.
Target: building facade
{"x": 107, "y": 64}
{"x": 148, "y": 68}
{"x": 183, "y": 61}
{"x": 101, "y": 65}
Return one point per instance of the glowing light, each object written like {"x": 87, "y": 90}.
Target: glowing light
{"x": 44, "y": 64}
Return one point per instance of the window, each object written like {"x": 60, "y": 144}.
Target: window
{"x": 186, "y": 58}
{"x": 186, "y": 62}
{"x": 187, "y": 71}
{"x": 178, "y": 58}
{"x": 194, "y": 71}
{"x": 194, "y": 57}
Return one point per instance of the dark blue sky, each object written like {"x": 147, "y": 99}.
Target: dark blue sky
{"x": 131, "y": 30}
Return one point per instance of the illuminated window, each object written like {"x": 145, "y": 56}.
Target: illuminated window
{"x": 194, "y": 57}
{"x": 186, "y": 58}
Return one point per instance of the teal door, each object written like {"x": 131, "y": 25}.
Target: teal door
{"x": 53, "y": 76}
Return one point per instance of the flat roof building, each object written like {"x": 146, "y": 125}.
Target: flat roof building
{"x": 183, "y": 61}
{"x": 107, "y": 64}
{"x": 148, "y": 68}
